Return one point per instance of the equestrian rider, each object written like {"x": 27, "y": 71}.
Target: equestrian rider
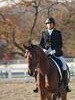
{"x": 51, "y": 42}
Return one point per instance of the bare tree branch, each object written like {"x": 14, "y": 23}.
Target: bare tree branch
{"x": 19, "y": 53}
{"x": 36, "y": 6}
{"x": 2, "y": 16}
{"x": 19, "y": 47}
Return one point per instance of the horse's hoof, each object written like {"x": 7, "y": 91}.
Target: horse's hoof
{"x": 35, "y": 90}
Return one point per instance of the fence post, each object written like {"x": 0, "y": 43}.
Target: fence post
{"x": 9, "y": 73}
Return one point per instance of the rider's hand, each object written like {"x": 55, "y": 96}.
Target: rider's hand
{"x": 44, "y": 50}
{"x": 52, "y": 52}
{"x": 49, "y": 51}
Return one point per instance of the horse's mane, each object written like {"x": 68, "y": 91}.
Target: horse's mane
{"x": 40, "y": 52}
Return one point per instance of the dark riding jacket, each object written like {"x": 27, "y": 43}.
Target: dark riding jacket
{"x": 54, "y": 41}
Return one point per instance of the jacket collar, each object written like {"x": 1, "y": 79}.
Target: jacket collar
{"x": 52, "y": 31}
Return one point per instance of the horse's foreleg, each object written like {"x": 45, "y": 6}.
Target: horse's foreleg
{"x": 54, "y": 96}
{"x": 42, "y": 94}
{"x": 36, "y": 82}
{"x": 49, "y": 96}
{"x": 64, "y": 97}
{"x": 42, "y": 88}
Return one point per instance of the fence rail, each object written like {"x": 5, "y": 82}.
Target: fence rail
{"x": 17, "y": 72}
{"x": 17, "y": 69}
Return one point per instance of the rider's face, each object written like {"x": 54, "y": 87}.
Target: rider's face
{"x": 50, "y": 25}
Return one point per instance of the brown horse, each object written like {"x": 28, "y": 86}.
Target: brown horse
{"x": 48, "y": 76}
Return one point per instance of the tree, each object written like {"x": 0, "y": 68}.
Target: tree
{"x": 27, "y": 18}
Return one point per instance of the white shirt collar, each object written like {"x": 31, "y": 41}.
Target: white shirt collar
{"x": 50, "y": 31}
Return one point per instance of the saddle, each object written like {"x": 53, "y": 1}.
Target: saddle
{"x": 58, "y": 63}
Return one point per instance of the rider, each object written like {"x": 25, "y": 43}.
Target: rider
{"x": 51, "y": 42}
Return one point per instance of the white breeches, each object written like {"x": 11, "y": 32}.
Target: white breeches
{"x": 63, "y": 61}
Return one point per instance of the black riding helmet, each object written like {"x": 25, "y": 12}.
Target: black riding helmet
{"x": 50, "y": 20}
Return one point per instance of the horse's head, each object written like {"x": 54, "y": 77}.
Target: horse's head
{"x": 31, "y": 56}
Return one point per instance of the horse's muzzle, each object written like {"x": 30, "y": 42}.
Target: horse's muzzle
{"x": 30, "y": 73}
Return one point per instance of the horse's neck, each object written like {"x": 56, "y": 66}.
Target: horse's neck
{"x": 44, "y": 64}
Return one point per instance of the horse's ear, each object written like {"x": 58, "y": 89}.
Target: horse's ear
{"x": 27, "y": 44}
{"x": 26, "y": 47}
{"x": 32, "y": 45}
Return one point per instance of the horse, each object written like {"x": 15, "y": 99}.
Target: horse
{"x": 49, "y": 84}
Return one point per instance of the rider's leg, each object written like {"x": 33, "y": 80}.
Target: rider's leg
{"x": 65, "y": 75}
{"x": 65, "y": 80}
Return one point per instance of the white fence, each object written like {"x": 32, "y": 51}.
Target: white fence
{"x": 17, "y": 70}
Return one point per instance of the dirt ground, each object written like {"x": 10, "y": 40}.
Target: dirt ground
{"x": 24, "y": 91}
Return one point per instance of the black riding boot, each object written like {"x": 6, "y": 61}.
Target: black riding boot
{"x": 65, "y": 80}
